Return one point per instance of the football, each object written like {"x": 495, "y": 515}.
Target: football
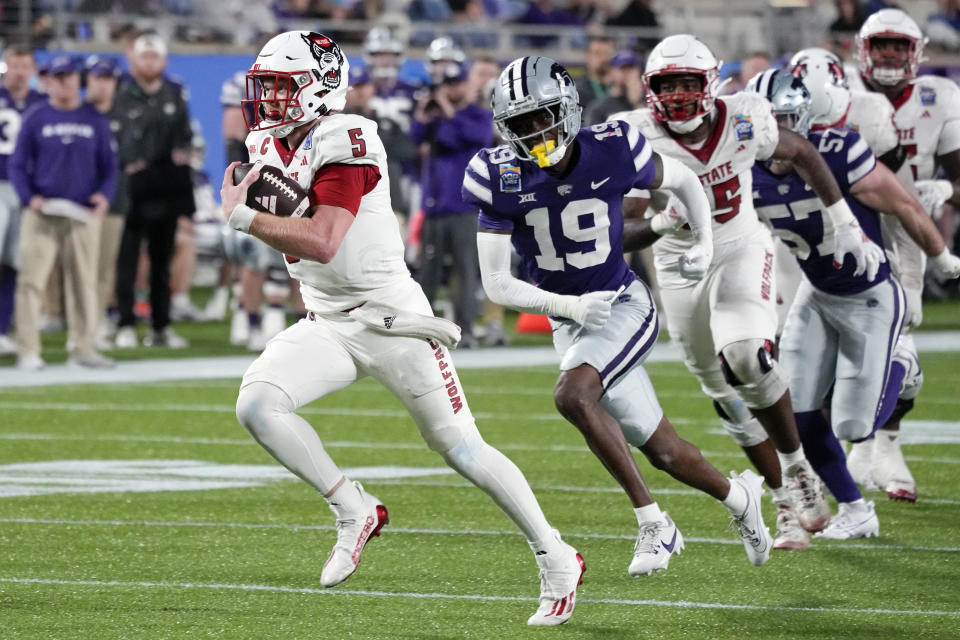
{"x": 273, "y": 192}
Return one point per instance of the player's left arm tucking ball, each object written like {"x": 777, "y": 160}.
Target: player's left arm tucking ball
{"x": 316, "y": 236}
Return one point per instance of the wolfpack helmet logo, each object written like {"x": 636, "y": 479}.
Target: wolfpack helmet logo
{"x": 328, "y": 56}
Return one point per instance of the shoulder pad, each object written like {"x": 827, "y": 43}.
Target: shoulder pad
{"x": 346, "y": 138}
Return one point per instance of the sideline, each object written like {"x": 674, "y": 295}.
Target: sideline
{"x": 173, "y": 369}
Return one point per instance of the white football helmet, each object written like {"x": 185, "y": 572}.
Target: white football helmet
{"x": 822, "y": 74}
{"x": 891, "y": 67}
{"x": 682, "y": 55}
{"x": 383, "y": 53}
{"x": 308, "y": 73}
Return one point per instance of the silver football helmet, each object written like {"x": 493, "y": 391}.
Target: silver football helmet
{"x": 533, "y": 91}
{"x": 789, "y": 97}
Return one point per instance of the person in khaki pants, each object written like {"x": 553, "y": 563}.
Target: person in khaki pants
{"x": 64, "y": 169}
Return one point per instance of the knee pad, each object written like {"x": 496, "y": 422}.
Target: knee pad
{"x": 458, "y": 449}
{"x": 749, "y": 366}
{"x": 257, "y": 402}
{"x": 738, "y": 422}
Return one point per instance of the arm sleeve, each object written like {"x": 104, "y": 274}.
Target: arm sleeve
{"x": 17, "y": 165}
{"x": 493, "y": 250}
{"x": 343, "y": 185}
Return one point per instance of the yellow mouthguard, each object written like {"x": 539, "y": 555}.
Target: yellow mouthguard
{"x": 541, "y": 150}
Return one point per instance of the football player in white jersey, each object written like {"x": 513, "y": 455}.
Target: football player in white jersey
{"x": 367, "y": 316}
{"x": 927, "y": 116}
{"x": 726, "y": 323}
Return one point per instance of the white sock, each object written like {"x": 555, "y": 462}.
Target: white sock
{"x": 736, "y": 500}
{"x": 345, "y": 499}
{"x": 857, "y": 505}
{"x": 649, "y": 513}
{"x": 781, "y": 496}
{"x": 267, "y": 413}
{"x": 180, "y": 299}
{"x": 787, "y": 460}
{"x": 499, "y": 478}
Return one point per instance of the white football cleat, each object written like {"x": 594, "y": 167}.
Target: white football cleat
{"x": 852, "y": 521}
{"x": 656, "y": 542}
{"x": 561, "y": 573}
{"x": 126, "y": 338}
{"x": 812, "y": 509}
{"x": 754, "y": 533}
{"x": 860, "y": 464}
{"x": 353, "y": 533}
{"x": 8, "y": 346}
{"x": 30, "y": 362}
{"x": 790, "y": 535}
{"x": 890, "y": 469}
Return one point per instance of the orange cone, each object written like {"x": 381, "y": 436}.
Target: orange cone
{"x": 532, "y": 323}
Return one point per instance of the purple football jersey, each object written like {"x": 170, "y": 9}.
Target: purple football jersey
{"x": 797, "y": 217}
{"x": 11, "y": 115}
{"x": 396, "y": 104}
{"x": 567, "y": 229}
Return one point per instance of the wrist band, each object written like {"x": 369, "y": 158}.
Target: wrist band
{"x": 241, "y": 217}
{"x": 840, "y": 213}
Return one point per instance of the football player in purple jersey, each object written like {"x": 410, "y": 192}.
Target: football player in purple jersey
{"x": 843, "y": 325}
{"x": 555, "y": 191}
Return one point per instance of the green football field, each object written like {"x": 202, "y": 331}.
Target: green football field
{"x": 146, "y": 511}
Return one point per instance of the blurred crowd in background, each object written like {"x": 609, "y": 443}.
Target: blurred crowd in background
{"x": 141, "y": 227}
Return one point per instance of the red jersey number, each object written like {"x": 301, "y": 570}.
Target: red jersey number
{"x": 726, "y": 199}
{"x": 359, "y": 145}
{"x": 911, "y": 150}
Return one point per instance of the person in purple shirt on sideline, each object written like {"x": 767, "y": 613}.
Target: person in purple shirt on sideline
{"x": 16, "y": 96}
{"x": 450, "y": 129}
{"x": 64, "y": 169}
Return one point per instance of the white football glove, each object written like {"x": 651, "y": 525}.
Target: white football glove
{"x": 914, "y": 312}
{"x": 592, "y": 310}
{"x": 695, "y": 261}
{"x": 946, "y": 266}
{"x": 668, "y": 221}
{"x": 850, "y": 238}
{"x": 933, "y": 194}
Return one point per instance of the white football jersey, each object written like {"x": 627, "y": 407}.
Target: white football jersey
{"x": 871, "y": 115}
{"x": 746, "y": 131}
{"x": 371, "y": 255}
{"x": 927, "y": 115}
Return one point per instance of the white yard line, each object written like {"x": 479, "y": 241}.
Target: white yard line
{"x": 823, "y": 545}
{"x": 680, "y": 604}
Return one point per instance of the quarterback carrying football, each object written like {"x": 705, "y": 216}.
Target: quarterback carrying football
{"x": 367, "y": 316}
